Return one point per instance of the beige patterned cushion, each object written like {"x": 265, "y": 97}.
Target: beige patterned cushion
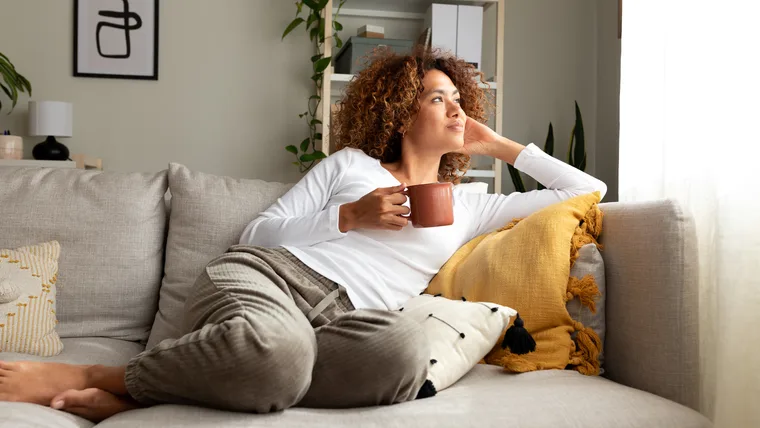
{"x": 27, "y": 299}
{"x": 590, "y": 262}
{"x": 208, "y": 214}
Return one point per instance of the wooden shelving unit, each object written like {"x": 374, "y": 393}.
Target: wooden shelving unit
{"x": 412, "y": 13}
{"x": 79, "y": 161}
{"x": 31, "y": 163}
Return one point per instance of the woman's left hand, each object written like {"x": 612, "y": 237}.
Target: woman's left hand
{"x": 479, "y": 139}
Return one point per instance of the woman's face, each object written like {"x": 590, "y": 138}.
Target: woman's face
{"x": 439, "y": 124}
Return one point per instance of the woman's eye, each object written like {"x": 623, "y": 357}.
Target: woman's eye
{"x": 440, "y": 99}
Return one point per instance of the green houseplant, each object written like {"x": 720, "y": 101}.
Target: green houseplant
{"x": 306, "y": 152}
{"x": 576, "y": 151}
{"x": 13, "y": 82}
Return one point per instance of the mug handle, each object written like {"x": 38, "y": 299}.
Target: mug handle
{"x": 408, "y": 216}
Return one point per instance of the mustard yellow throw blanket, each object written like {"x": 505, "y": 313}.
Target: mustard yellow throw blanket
{"x": 526, "y": 265}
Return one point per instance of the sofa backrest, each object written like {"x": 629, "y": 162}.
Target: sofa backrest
{"x": 208, "y": 215}
{"x": 111, "y": 227}
{"x": 133, "y": 244}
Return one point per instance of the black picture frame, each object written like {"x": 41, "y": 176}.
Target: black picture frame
{"x": 81, "y": 69}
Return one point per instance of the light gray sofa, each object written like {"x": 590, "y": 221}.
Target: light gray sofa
{"x": 127, "y": 260}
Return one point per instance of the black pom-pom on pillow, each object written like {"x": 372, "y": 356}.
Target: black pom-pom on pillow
{"x": 427, "y": 390}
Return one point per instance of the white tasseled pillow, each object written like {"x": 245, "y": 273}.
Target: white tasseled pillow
{"x": 461, "y": 333}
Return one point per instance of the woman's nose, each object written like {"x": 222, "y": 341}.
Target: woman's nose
{"x": 455, "y": 110}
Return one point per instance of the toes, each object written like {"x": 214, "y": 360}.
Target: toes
{"x": 92, "y": 404}
{"x": 8, "y": 367}
{"x": 75, "y": 398}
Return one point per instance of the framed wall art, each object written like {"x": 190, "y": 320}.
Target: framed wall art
{"x": 116, "y": 39}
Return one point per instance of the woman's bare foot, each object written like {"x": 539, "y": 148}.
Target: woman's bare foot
{"x": 92, "y": 404}
{"x": 38, "y": 383}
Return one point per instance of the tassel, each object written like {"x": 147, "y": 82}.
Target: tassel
{"x": 517, "y": 338}
{"x": 585, "y": 289}
{"x": 592, "y": 222}
{"x": 587, "y": 232}
{"x": 589, "y": 346}
{"x": 516, "y": 364}
{"x": 427, "y": 390}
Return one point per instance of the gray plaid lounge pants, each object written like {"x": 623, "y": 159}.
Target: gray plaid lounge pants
{"x": 254, "y": 342}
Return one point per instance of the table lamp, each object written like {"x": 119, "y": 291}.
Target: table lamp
{"x": 50, "y": 119}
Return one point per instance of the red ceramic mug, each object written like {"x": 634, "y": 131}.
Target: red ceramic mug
{"x": 431, "y": 204}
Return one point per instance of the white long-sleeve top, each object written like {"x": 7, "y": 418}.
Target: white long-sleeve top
{"x": 384, "y": 268}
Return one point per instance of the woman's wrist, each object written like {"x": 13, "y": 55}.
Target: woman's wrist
{"x": 345, "y": 217}
{"x": 506, "y": 150}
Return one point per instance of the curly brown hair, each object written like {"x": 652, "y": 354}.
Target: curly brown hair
{"x": 383, "y": 98}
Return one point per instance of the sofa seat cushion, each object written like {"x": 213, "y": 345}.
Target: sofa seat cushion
{"x": 86, "y": 350}
{"x": 80, "y": 350}
{"x": 486, "y": 397}
{"x": 23, "y": 415}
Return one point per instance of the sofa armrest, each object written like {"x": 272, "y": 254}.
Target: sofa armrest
{"x": 651, "y": 271}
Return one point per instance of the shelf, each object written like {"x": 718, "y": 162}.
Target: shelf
{"x": 335, "y": 77}
{"x": 341, "y": 79}
{"x": 480, "y": 173}
{"x": 370, "y": 13}
{"x": 31, "y": 163}
{"x": 399, "y": 9}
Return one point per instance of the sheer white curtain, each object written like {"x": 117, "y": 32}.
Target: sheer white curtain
{"x": 689, "y": 127}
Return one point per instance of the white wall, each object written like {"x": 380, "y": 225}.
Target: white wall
{"x": 558, "y": 52}
{"x": 230, "y": 91}
{"x": 550, "y": 54}
{"x": 226, "y": 102}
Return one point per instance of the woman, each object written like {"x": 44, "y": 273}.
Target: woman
{"x": 302, "y": 312}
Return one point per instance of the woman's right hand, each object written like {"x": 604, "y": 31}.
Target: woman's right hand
{"x": 380, "y": 209}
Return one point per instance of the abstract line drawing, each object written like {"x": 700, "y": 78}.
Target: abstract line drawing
{"x": 126, "y": 15}
{"x": 116, "y": 39}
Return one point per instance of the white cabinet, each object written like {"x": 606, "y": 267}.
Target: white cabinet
{"x": 442, "y": 21}
{"x": 458, "y": 29}
{"x": 470, "y": 34}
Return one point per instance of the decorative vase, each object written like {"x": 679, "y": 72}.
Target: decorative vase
{"x": 50, "y": 149}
